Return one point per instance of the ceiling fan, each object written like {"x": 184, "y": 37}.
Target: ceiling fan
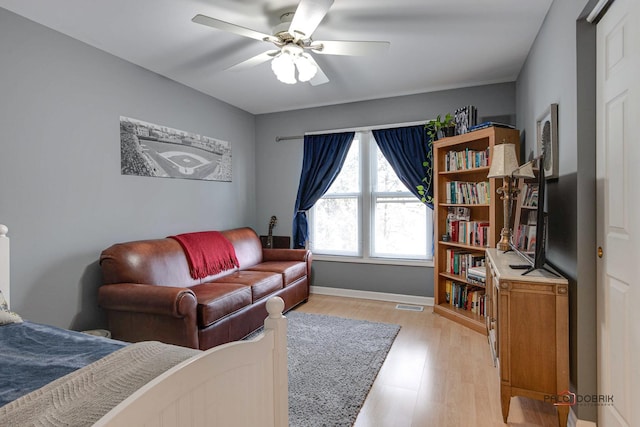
{"x": 292, "y": 37}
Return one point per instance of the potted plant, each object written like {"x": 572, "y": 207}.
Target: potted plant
{"x": 440, "y": 128}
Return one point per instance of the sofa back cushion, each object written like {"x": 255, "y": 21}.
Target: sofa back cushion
{"x": 247, "y": 245}
{"x": 163, "y": 262}
{"x": 155, "y": 262}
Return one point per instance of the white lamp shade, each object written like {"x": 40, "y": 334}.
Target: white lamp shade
{"x": 284, "y": 68}
{"x": 306, "y": 69}
{"x": 503, "y": 161}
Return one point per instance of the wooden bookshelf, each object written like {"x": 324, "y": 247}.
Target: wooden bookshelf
{"x": 486, "y": 215}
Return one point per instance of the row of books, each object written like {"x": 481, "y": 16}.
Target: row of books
{"x": 466, "y": 297}
{"x": 529, "y": 218}
{"x": 477, "y": 275}
{"x": 530, "y": 195}
{"x": 460, "y": 262}
{"x": 466, "y": 159}
{"x": 469, "y": 232}
{"x": 469, "y": 193}
{"x": 525, "y": 238}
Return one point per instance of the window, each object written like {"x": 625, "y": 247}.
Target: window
{"x": 368, "y": 212}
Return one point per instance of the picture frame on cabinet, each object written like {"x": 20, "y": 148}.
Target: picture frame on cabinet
{"x": 547, "y": 140}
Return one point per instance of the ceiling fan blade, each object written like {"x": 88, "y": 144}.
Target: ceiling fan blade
{"x": 308, "y": 16}
{"x": 320, "y": 78}
{"x": 232, "y": 28}
{"x": 253, "y": 61}
{"x": 352, "y": 48}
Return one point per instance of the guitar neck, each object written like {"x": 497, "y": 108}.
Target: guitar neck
{"x": 272, "y": 224}
{"x": 270, "y": 238}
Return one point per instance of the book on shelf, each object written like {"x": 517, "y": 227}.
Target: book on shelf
{"x": 525, "y": 237}
{"x": 458, "y": 261}
{"x": 467, "y": 297}
{"x": 468, "y": 193}
{"x": 466, "y": 159}
{"x": 474, "y": 233}
{"x": 488, "y": 124}
{"x": 530, "y": 195}
{"x": 453, "y": 263}
{"x": 478, "y": 282}
{"x": 531, "y": 239}
{"x": 477, "y": 274}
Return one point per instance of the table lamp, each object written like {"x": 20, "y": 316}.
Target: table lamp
{"x": 504, "y": 164}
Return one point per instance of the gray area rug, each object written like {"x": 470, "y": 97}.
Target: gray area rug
{"x": 332, "y": 365}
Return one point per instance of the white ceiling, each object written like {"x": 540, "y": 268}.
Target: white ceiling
{"x": 435, "y": 44}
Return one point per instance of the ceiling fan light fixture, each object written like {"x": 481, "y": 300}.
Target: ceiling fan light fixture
{"x": 292, "y": 37}
{"x": 306, "y": 68}
{"x": 284, "y": 68}
{"x": 290, "y": 58}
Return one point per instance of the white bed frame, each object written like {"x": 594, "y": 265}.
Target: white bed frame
{"x": 237, "y": 384}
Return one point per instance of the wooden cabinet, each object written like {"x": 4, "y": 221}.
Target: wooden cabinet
{"x": 457, "y": 170}
{"x": 529, "y": 333}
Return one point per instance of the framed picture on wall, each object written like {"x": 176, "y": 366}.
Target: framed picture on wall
{"x": 547, "y": 138}
{"x": 148, "y": 149}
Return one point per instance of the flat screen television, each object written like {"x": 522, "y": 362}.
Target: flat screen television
{"x": 538, "y": 260}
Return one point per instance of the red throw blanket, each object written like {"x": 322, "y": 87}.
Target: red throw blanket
{"x": 208, "y": 253}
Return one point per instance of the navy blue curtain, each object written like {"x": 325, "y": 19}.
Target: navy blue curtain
{"x": 409, "y": 151}
{"x": 323, "y": 158}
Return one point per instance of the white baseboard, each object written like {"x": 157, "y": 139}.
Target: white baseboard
{"x": 378, "y": 296}
{"x": 573, "y": 421}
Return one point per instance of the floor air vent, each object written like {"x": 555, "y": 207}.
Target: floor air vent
{"x": 408, "y": 307}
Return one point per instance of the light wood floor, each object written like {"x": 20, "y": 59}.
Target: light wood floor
{"x": 437, "y": 373}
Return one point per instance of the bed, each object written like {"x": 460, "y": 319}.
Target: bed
{"x": 118, "y": 384}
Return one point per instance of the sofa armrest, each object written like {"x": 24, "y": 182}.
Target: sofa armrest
{"x": 286, "y": 255}
{"x": 163, "y": 300}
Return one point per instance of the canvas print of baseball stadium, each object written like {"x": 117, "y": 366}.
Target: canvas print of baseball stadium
{"x": 147, "y": 149}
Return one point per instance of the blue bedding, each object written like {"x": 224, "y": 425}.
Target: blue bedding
{"x": 33, "y": 355}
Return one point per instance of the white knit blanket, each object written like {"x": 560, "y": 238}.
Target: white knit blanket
{"x": 83, "y": 397}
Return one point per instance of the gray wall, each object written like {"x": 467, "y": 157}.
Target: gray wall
{"x": 61, "y": 192}
{"x": 561, "y": 68}
{"x": 278, "y": 168}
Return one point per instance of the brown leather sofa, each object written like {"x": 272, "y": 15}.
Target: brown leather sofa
{"x": 148, "y": 293}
